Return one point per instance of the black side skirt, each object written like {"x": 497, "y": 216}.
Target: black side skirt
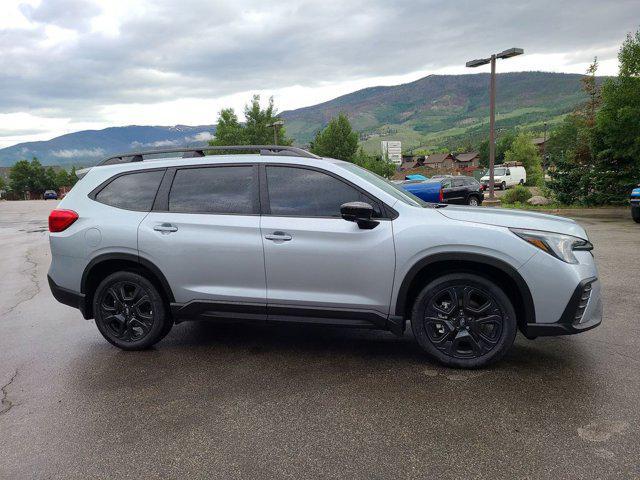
{"x": 285, "y": 314}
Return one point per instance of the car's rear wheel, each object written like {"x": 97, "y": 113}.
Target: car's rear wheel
{"x": 463, "y": 320}
{"x": 473, "y": 201}
{"x": 130, "y": 312}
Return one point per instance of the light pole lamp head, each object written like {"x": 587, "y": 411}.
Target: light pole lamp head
{"x": 277, "y": 123}
{"x": 512, "y": 52}
{"x": 478, "y": 62}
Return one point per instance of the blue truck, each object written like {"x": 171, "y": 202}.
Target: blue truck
{"x": 635, "y": 204}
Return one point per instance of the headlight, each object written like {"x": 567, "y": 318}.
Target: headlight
{"x": 556, "y": 244}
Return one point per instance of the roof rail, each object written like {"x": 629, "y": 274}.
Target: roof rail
{"x": 202, "y": 151}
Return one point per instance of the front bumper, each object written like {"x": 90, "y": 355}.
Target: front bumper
{"x": 582, "y": 313}
{"x": 67, "y": 297}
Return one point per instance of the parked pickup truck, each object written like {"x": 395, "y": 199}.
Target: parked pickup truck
{"x": 635, "y": 204}
{"x": 459, "y": 190}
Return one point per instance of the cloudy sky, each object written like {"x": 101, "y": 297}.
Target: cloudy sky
{"x": 68, "y": 65}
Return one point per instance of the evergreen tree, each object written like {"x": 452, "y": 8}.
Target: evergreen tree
{"x": 524, "y": 151}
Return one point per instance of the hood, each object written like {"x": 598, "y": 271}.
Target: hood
{"x": 504, "y": 217}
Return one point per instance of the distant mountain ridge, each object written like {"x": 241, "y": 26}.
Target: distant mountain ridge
{"x": 437, "y": 107}
{"x": 87, "y": 147}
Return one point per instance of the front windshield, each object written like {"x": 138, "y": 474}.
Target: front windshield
{"x": 392, "y": 189}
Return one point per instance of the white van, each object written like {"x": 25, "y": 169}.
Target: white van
{"x": 505, "y": 177}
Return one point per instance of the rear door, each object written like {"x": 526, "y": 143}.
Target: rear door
{"x": 318, "y": 265}
{"x": 204, "y": 235}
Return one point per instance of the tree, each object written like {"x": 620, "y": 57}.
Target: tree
{"x": 374, "y": 163}
{"x": 27, "y": 176}
{"x": 503, "y": 143}
{"x": 256, "y": 129}
{"x": 3, "y": 185}
{"x": 616, "y": 135}
{"x": 524, "y": 151}
{"x": 228, "y": 130}
{"x": 337, "y": 140}
{"x": 50, "y": 180}
{"x": 62, "y": 178}
{"x": 73, "y": 177}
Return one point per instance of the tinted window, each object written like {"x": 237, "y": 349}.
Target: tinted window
{"x": 213, "y": 190}
{"x": 309, "y": 193}
{"x": 133, "y": 191}
{"x": 458, "y": 182}
{"x": 446, "y": 183}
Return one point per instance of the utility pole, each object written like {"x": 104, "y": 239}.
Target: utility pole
{"x": 512, "y": 52}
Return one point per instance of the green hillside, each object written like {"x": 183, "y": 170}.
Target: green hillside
{"x": 443, "y": 110}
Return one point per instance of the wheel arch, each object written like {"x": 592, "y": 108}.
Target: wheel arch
{"x": 496, "y": 270}
{"x": 108, "y": 263}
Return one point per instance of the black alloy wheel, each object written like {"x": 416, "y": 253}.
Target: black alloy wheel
{"x": 129, "y": 311}
{"x": 464, "y": 320}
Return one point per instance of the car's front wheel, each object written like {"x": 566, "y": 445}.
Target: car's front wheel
{"x": 503, "y": 186}
{"x": 130, "y": 312}
{"x": 635, "y": 214}
{"x": 463, "y": 320}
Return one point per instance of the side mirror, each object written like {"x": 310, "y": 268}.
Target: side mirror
{"x": 360, "y": 213}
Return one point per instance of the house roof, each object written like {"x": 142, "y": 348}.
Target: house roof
{"x": 437, "y": 158}
{"x": 467, "y": 157}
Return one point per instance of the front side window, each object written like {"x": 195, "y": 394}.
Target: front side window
{"x": 222, "y": 190}
{"x": 308, "y": 193}
{"x": 132, "y": 191}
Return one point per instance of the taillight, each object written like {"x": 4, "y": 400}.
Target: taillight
{"x": 60, "y": 220}
{"x": 441, "y": 196}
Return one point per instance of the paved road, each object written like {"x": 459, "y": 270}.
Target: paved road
{"x": 214, "y": 401}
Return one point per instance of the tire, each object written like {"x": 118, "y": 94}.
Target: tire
{"x": 635, "y": 214}
{"x": 503, "y": 186}
{"x": 473, "y": 201}
{"x": 521, "y": 182}
{"x": 474, "y": 340}
{"x": 129, "y": 311}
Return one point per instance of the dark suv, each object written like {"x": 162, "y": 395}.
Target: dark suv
{"x": 462, "y": 190}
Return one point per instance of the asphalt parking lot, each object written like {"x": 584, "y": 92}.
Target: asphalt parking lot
{"x": 234, "y": 401}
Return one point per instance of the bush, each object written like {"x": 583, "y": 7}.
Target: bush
{"x": 518, "y": 194}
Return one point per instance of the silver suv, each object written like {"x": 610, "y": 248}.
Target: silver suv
{"x": 143, "y": 243}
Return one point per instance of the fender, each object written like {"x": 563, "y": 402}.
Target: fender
{"x": 512, "y": 274}
{"x": 131, "y": 258}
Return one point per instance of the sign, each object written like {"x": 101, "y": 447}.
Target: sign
{"x": 392, "y": 150}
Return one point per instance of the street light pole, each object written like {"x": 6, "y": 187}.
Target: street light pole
{"x": 512, "y": 52}
{"x": 492, "y": 128}
{"x": 276, "y": 125}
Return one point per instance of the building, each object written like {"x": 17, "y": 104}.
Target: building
{"x": 468, "y": 160}
{"x": 392, "y": 150}
{"x": 440, "y": 160}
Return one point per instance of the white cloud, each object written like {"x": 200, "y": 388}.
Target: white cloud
{"x": 78, "y": 153}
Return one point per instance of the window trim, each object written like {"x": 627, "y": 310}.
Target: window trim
{"x": 94, "y": 193}
{"x": 161, "y": 204}
{"x": 388, "y": 213}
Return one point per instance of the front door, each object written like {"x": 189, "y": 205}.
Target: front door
{"x": 317, "y": 264}
{"x": 207, "y": 241}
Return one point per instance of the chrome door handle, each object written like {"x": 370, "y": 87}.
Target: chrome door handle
{"x": 165, "y": 228}
{"x": 278, "y": 236}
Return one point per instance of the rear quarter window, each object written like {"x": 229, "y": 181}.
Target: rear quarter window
{"x": 131, "y": 191}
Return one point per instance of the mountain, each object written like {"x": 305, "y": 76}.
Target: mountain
{"x": 432, "y": 112}
{"x": 89, "y": 146}
{"x": 441, "y": 109}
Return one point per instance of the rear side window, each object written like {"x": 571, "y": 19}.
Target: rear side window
{"x": 458, "y": 182}
{"x": 224, "y": 190}
{"x": 309, "y": 193}
{"x": 132, "y": 191}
